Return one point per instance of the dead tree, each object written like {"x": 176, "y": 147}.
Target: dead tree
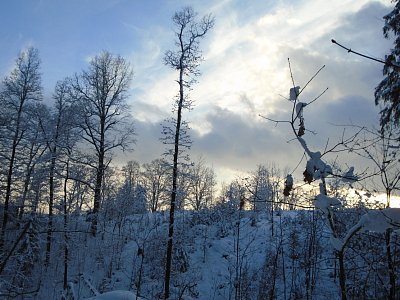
{"x": 185, "y": 59}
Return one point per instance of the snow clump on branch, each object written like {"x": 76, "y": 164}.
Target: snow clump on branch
{"x": 324, "y": 203}
{"x": 349, "y": 176}
{"x": 316, "y": 168}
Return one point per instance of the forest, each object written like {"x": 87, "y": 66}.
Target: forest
{"x": 77, "y": 223}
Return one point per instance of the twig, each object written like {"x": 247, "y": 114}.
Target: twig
{"x": 316, "y": 98}
{"x": 272, "y": 120}
{"x": 4, "y": 262}
{"x": 304, "y": 154}
{"x": 366, "y": 56}
{"x": 311, "y": 79}
{"x": 291, "y": 75}
{"x": 326, "y": 145}
{"x": 284, "y": 97}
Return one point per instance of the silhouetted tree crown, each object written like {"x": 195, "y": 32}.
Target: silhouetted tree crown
{"x": 387, "y": 92}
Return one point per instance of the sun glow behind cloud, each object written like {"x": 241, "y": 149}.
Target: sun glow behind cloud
{"x": 244, "y": 73}
{"x": 248, "y": 57}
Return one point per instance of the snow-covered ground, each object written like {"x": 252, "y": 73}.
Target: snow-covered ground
{"x": 219, "y": 254}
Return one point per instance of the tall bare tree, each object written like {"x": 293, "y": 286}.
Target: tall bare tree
{"x": 101, "y": 92}
{"x": 21, "y": 87}
{"x": 185, "y": 59}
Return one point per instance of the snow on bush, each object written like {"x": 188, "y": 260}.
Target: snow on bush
{"x": 116, "y": 295}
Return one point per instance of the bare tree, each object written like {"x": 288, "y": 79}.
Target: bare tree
{"x": 56, "y": 126}
{"x": 202, "y": 185}
{"x": 154, "y": 177}
{"x": 31, "y": 154}
{"x": 22, "y": 86}
{"x": 382, "y": 149}
{"x": 101, "y": 92}
{"x": 131, "y": 172}
{"x": 185, "y": 59}
{"x": 318, "y": 169}
{"x": 261, "y": 188}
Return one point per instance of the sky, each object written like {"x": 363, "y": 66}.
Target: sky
{"x": 244, "y": 74}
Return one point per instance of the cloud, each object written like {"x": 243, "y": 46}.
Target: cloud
{"x": 246, "y": 72}
{"x": 148, "y": 112}
{"x": 249, "y": 56}
{"x": 148, "y": 145}
{"x": 254, "y": 73}
{"x": 238, "y": 144}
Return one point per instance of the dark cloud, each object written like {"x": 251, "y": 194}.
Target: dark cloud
{"x": 147, "y": 111}
{"x": 241, "y": 144}
{"x": 234, "y": 143}
{"x": 148, "y": 146}
{"x": 351, "y": 79}
{"x": 345, "y": 73}
{"x": 361, "y": 31}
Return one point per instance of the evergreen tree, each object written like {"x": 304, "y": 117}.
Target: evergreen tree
{"x": 388, "y": 91}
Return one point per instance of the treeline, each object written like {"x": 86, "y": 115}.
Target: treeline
{"x": 59, "y": 158}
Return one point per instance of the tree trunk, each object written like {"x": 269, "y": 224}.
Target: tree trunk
{"x": 339, "y": 254}
{"x": 174, "y": 188}
{"x": 172, "y": 210}
{"x": 99, "y": 179}
{"x": 29, "y": 171}
{"x": 9, "y": 177}
{"x": 51, "y": 204}
{"x": 66, "y": 254}
{"x": 97, "y": 196}
{"x": 23, "y": 232}
{"x": 392, "y": 274}
{"x": 342, "y": 275}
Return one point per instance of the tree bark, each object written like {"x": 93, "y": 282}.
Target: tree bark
{"x": 9, "y": 176}
{"x": 51, "y": 204}
{"x": 392, "y": 274}
{"x": 99, "y": 177}
{"x": 342, "y": 275}
{"x": 66, "y": 254}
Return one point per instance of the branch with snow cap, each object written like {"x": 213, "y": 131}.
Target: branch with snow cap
{"x": 349, "y": 176}
{"x": 324, "y": 203}
{"x": 316, "y": 168}
{"x": 374, "y": 221}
